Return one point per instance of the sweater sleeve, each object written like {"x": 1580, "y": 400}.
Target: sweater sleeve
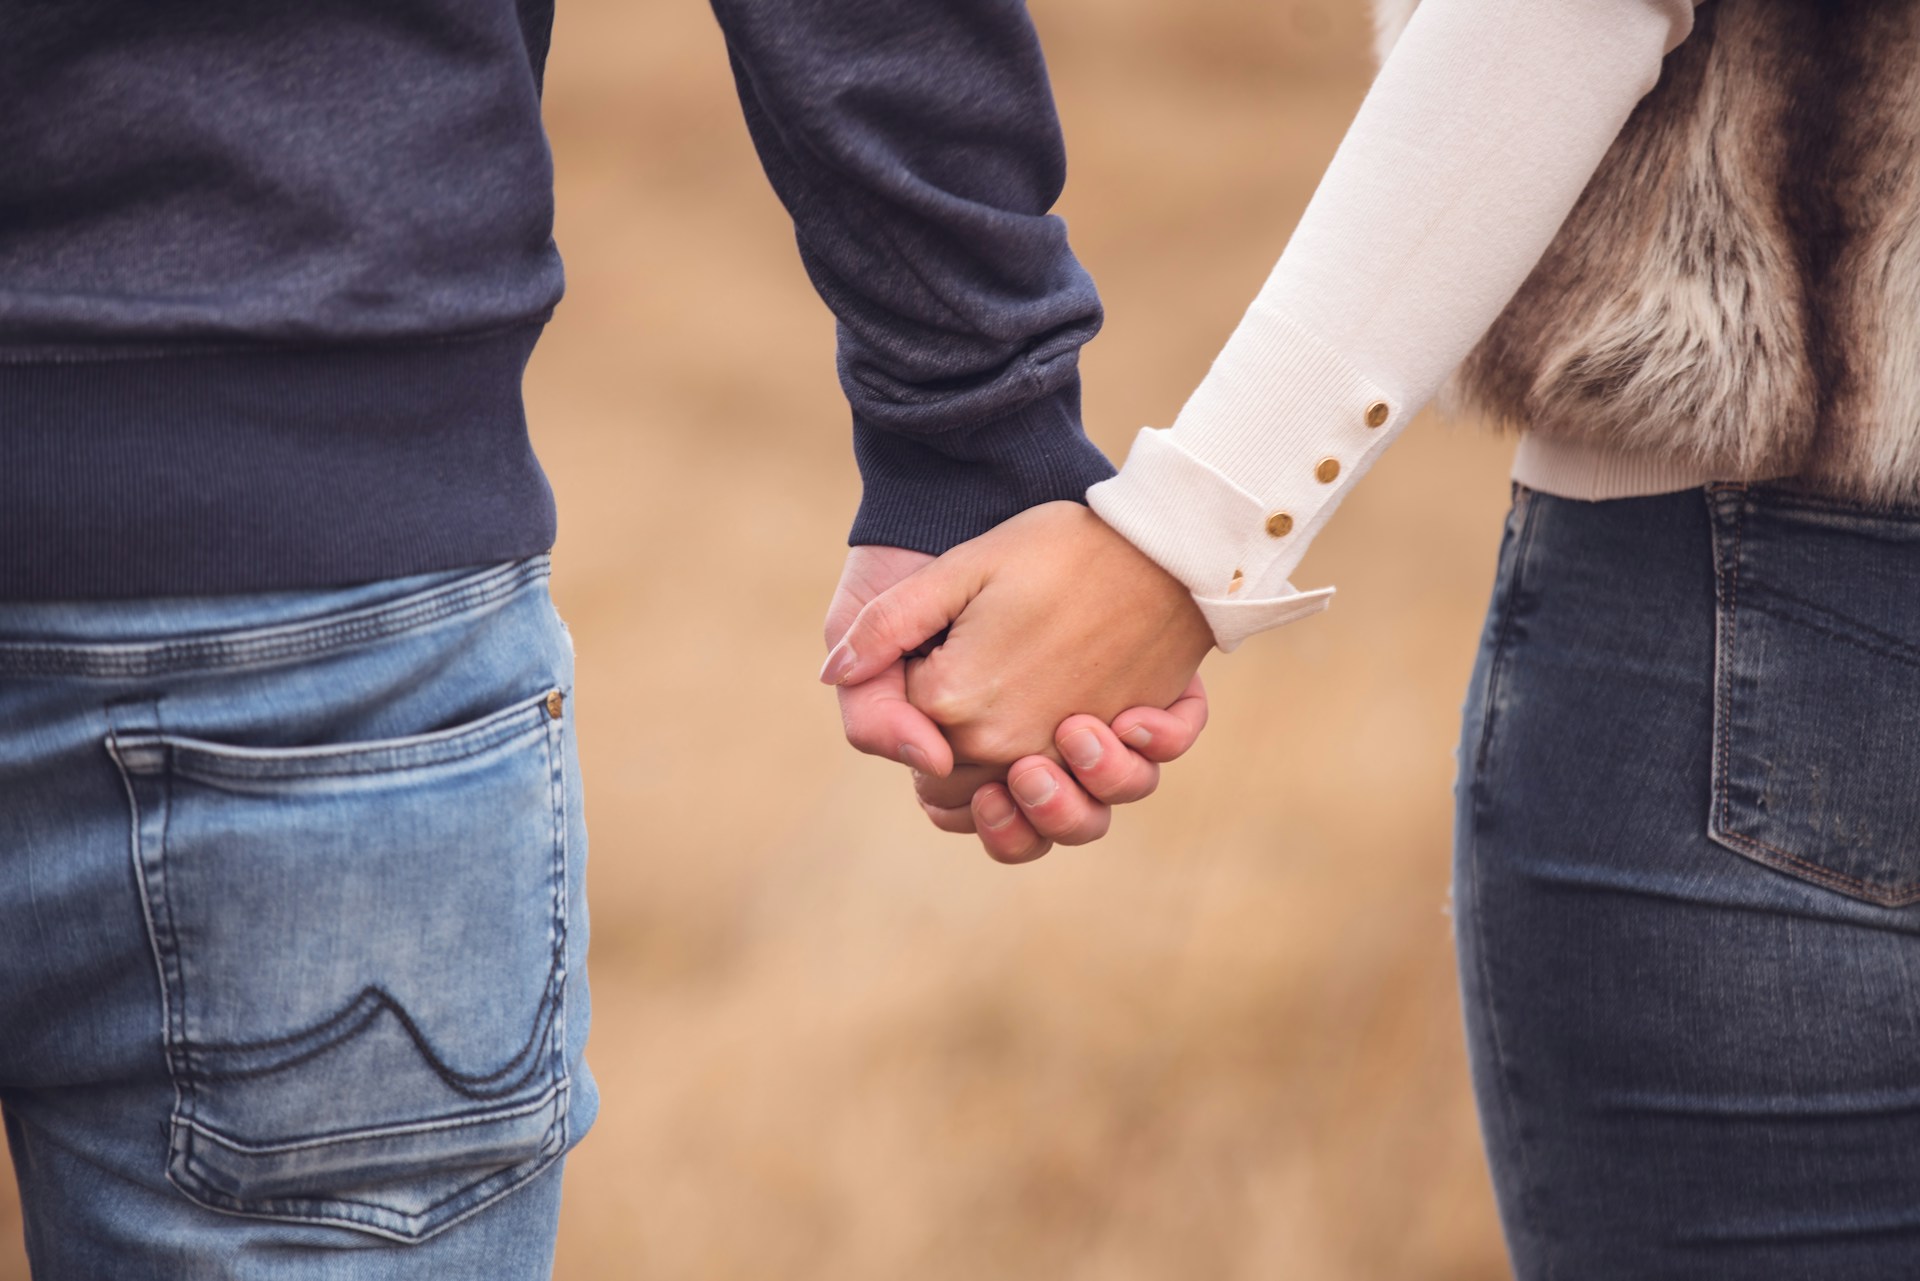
{"x": 917, "y": 147}
{"x": 1484, "y": 125}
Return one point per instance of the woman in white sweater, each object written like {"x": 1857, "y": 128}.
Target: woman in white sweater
{"x": 1679, "y": 251}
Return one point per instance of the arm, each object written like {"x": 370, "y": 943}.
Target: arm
{"x": 917, "y": 147}
{"x": 1484, "y": 126}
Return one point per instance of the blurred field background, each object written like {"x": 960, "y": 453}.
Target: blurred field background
{"x": 834, "y": 1043}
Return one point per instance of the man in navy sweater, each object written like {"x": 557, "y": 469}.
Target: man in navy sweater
{"x": 291, "y": 975}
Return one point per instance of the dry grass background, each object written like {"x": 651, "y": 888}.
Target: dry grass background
{"x": 833, "y": 1043}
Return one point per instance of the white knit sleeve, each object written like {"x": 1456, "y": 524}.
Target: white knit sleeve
{"x": 1482, "y": 128}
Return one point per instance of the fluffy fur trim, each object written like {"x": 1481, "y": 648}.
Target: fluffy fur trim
{"x": 1739, "y": 285}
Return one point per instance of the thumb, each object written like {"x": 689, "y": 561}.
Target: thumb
{"x": 901, "y": 619}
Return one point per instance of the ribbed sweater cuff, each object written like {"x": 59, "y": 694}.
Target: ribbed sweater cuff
{"x": 1228, "y": 499}
{"x": 932, "y": 492}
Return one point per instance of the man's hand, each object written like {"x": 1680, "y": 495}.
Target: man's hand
{"x": 1042, "y": 804}
{"x": 1105, "y": 766}
{"x": 875, "y": 713}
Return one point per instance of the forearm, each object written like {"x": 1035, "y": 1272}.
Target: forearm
{"x": 917, "y": 147}
{"x": 1473, "y": 145}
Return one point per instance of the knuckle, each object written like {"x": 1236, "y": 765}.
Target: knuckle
{"x": 937, "y": 697}
{"x": 1113, "y": 770}
{"x": 885, "y": 621}
{"x": 977, "y": 743}
{"x": 879, "y": 616}
{"x": 944, "y": 706}
{"x": 1126, "y": 786}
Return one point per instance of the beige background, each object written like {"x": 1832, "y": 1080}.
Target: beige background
{"x": 835, "y": 1044}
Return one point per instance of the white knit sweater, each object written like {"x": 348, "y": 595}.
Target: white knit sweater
{"x": 1483, "y": 127}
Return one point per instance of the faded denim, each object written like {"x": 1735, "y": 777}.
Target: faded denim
{"x": 293, "y": 930}
{"x": 1687, "y": 887}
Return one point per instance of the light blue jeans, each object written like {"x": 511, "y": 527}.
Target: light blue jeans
{"x": 293, "y": 931}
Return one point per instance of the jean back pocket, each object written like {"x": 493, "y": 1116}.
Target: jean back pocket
{"x": 362, "y": 952}
{"x": 1816, "y": 759}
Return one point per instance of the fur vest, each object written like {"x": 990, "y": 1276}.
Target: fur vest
{"x": 1739, "y": 286}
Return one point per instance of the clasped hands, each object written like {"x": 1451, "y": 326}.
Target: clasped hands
{"x": 1032, "y": 678}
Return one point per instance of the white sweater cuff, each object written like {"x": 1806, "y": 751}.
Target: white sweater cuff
{"x": 1229, "y": 499}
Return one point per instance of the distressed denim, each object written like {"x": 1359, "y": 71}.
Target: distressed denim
{"x": 1687, "y": 887}
{"x": 293, "y": 930}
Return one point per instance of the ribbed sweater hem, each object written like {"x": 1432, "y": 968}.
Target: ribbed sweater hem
{"x": 266, "y": 469}
{"x": 1595, "y": 473}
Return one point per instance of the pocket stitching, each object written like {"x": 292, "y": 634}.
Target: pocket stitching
{"x": 201, "y": 758}
{"x": 286, "y": 1210}
{"x": 356, "y": 1019}
{"x": 1897, "y": 895}
{"x": 213, "y": 1135}
{"x": 1874, "y": 642}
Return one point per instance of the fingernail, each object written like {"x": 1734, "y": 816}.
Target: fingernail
{"x": 994, "y": 809}
{"x": 1035, "y": 787}
{"x": 839, "y": 663}
{"x": 1136, "y": 736}
{"x": 913, "y": 757}
{"x": 1082, "y": 749}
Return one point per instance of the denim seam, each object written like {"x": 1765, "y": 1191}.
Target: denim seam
{"x": 557, "y": 765}
{"x": 1523, "y": 545}
{"x": 1900, "y": 896}
{"x": 215, "y": 762}
{"x": 1861, "y": 636}
{"x": 377, "y": 1211}
{"x": 214, "y": 1135}
{"x": 374, "y": 1218}
{"x": 137, "y": 842}
{"x": 187, "y": 1092}
{"x": 1723, "y": 692}
{"x": 1805, "y": 501}
{"x": 150, "y": 879}
{"x": 1530, "y": 1190}
{"x": 268, "y": 646}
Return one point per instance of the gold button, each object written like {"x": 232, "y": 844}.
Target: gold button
{"x": 1377, "y": 414}
{"x": 1238, "y": 579}
{"x": 555, "y": 701}
{"x": 1326, "y": 470}
{"x": 1279, "y": 525}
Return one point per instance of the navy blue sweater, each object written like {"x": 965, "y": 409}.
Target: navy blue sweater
{"x": 270, "y": 275}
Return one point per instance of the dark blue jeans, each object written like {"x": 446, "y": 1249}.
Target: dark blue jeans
{"x": 1686, "y": 886}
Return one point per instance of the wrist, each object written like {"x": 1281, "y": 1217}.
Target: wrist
{"x": 931, "y": 492}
